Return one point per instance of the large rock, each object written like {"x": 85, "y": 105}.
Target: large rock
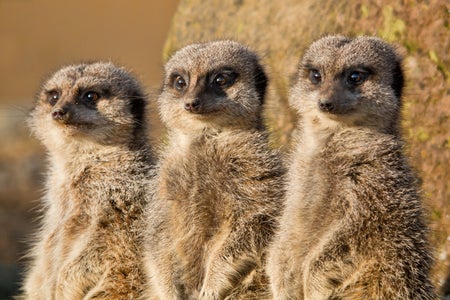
{"x": 281, "y": 30}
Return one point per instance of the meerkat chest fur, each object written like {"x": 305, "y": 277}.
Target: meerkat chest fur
{"x": 87, "y": 189}
{"x": 198, "y": 169}
{"x": 220, "y": 182}
{"x": 94, "y": 172}
{"x": 313, "y": 136}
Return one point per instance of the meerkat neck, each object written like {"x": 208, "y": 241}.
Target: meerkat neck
{"x": 78, "y": 156}
{"x": 184, "y": 138}
{"x": 314, "y": 132}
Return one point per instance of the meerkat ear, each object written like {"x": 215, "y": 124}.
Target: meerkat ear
{"x": 261, "y": 82}
{"x": 398, "y": 80}
{"x": 138, "y": 104}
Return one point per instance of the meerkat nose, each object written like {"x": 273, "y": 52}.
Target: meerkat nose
{"x": 59, "y": 114}
{"x": 326, "y": 105}
{"x": 192, "y": 106}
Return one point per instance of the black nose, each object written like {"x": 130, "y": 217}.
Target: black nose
{"x": 326, "y": 105}
{"x": 192, "y": 106}
{"x": 59, "y": 114}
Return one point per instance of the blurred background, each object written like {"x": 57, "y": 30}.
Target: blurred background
{"x": 37, "y": 37}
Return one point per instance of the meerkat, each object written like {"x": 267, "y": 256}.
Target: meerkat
{"x": 91, "y": 119}
{"x": 219, "y": 188}
{"x": 353, "y": 226}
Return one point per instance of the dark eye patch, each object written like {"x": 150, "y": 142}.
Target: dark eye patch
{"x": 311, "y": 73}
{"x": 315, "y": 77}
{"x": 53, "y": 97}
{"x": 223, "y": 78}
{"x": 178, "y": 82}
{"x": 356, "y": 77}
{"x": 91, "y": 97}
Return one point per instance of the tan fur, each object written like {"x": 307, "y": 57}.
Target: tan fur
{"x": 353, "y": 225}
{"x": 90, "y": 241}
{"x": 220, "y": 186}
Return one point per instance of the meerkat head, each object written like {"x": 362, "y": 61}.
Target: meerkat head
{"x": 357, "y": 82}
{"x": 218, "y": 84}
{"x": 97, "y": 103}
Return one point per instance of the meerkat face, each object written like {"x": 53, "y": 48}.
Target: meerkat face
{"x": 97, "y": 102}
{"x": 353, "y": 81}
{"x": 213, "y": 85}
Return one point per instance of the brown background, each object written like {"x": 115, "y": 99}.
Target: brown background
{"x": 36, "y": 38}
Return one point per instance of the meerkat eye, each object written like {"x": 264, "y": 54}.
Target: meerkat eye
{"x": 224, "y": 79}
{"x": 91, "y": 97}
{"x": 179, "y": 83}
{"x": 356, "y": 78}
{"x": 314, "y": 76}
{"x": 53, "y": 97}
{"x": 220, "y": 80}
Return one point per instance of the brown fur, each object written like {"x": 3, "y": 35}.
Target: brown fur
{"x": 445, "y": 289}
{"x": 353, "y": 225}
{"x": 220, "y": 186}
{"x": 89, "y": 245}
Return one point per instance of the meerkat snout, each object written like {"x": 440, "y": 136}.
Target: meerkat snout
{"x": 338, "y": 103}
{"x": 326, "y": 105}
{"x": 60, "y": 114}
{"x": 192, "y": 105}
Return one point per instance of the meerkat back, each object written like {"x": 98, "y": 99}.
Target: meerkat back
{"x": 353, "y": 227}
{"x": 91, "y": 118}
{"x": 219, "y": 183}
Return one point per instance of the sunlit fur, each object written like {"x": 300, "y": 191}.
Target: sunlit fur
{"x": 219, "y": 188}
{"x": 353, "y": 225}
{"x": 89, "y": 244}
